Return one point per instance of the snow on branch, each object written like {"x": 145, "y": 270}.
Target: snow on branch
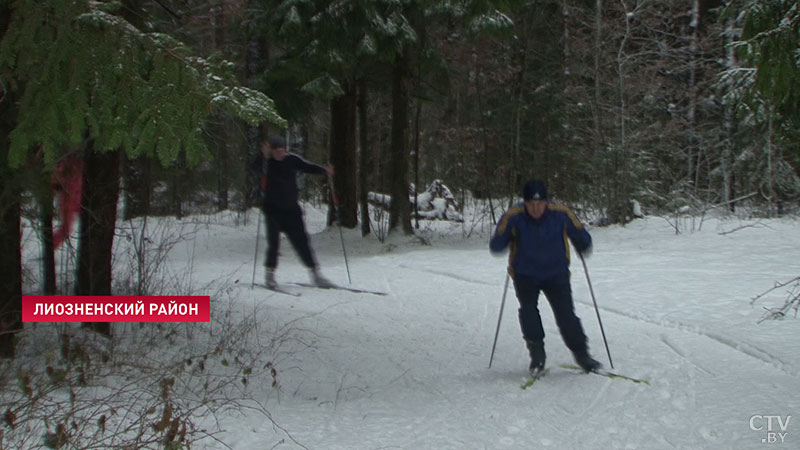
{"x": 437, "y": 202}
{"x": 792, "y": 300}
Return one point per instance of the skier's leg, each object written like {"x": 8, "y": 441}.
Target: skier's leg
{"x": 530, "y": 320}
{"x": 273, "y": 238}
{"x": 560, "y": 297}
{"x": 295, "y": 230}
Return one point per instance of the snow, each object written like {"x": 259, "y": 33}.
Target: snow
{"x": 409, "y": 370}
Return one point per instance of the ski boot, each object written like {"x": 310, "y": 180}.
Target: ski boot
{"x": 538, "y": 356}
{"x": 318, "y": 280}
{"x": 271, "y": 283}
{"x": 586, "y": 362}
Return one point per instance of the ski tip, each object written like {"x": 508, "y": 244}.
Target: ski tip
{"x": 533, "y": 377}
{"x": 340, "y": 287}
{"x": 278, "y": 290}
{"x": 606, "y": 373}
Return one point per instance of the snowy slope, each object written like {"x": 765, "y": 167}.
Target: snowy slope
{"x": 409, "y": 370}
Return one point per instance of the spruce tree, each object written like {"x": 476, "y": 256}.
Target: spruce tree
{"x": 326, "y": 49}
{"x": 768, "y": 89}
{"x": 89, "y": 80}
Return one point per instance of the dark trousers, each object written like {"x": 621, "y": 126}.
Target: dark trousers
{"x": 289, "y": 222}
{"x": 559, "y": 295}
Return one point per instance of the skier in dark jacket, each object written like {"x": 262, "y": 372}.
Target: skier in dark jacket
{"x": 278, "y": 176}
{"x": 538, "y": 232}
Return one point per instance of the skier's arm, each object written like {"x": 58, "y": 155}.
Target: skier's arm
{"x": 504, "y": 232}
{"x": 308, "y": 167}
{"x": 578, "y": 234}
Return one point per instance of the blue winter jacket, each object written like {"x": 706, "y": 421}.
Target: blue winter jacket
{"x": 540, "y": 247}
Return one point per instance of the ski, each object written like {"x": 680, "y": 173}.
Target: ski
{"x": 344, "y": 288}
{"x": 534, "y": 377}
{"x": 606, "y": 373}
{"x": 279, "y": 290}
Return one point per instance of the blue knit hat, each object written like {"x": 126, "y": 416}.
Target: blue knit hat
{"x": 534, "y": 190}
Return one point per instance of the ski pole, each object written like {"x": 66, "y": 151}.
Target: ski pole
{"x": 499, "y": 319}
{"x": 255, "y": 258}
{"x": 596, "y": 310}
{"x": 339, "y": 224}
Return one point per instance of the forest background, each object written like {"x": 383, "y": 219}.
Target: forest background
{"x": 155, "y": 107}
{"x": 676, "y": 106}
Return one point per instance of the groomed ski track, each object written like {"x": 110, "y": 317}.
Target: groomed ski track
{"x": 409, "y": 370}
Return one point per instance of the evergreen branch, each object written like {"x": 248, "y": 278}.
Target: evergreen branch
{"x": 105, "y": 79}
{"x": 789, "y": 21}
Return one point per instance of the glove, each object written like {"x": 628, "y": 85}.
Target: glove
{"x": 586, "y": 252}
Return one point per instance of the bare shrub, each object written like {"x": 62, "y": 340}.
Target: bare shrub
{"x": 791, "y": 303}
{"x": 156, "y": 385}
{"x": 141, "y": 253}
{"x": 151, "y": 385}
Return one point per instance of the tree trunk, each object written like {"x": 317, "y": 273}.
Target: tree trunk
{"x": 598, "y": 47}
{"x": 515, "y": 178}
{"x": 400, "y": 211}
{"x": 617, "y": 207}
{"x": 223, "y": 180}
{"x": 728, "y": 123}
{"x": 178, "y": 181}
{"x": 343, "y": 154}
{"x": 219, "y": 137}
{"x": 10, "y": 264}
{"x": 256, "y": 60}
{"x": 98, "y": 223}
{"x": 693, "y": 147}
{"x": 364, "y": 166}
{"x": 482, "y": 186}
{"x": 416, "y": 163}
{"x": 45, "y": 200}
{"x": 10, "y": 234}
{"x": 138, "y": 186}
{"x": 768, "y": 148}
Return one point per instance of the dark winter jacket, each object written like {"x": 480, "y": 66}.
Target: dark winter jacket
{"x": 539, "y": 248}
{"x": 279, "y": 179}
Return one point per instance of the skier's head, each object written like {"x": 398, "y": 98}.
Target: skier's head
{"x": 277, "y": 142}
{"x": 534, "y": 190}
{"x": 274, "y": 147}
{"x": 535, "y": 195}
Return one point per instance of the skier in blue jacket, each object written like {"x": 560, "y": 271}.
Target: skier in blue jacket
{"x": 538, "y": 233}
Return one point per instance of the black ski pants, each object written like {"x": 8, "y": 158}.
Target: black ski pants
{"x": 559, "y": 295}
{"x": 290, "y": 222}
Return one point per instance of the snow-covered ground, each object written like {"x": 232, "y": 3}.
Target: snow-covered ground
{"x": 409, "y": 370}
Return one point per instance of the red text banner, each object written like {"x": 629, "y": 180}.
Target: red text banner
{"x": 116, "y": 308}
